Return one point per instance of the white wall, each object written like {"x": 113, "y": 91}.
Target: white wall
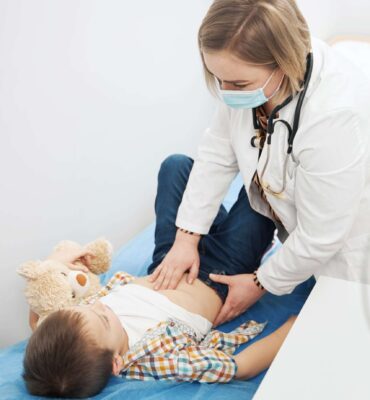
{"x": 327, "y": 18}
{"x": 93, "y": 95}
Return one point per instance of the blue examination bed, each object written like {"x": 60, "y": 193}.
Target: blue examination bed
{"x": 134, "y": 257}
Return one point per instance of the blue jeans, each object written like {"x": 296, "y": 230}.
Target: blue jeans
{"x": 236, "y": 241}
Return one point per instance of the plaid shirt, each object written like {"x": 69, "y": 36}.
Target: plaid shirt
{"x": 171, "y": 350}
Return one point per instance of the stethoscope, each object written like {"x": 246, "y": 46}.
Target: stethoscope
{"x": 291, "y": 131}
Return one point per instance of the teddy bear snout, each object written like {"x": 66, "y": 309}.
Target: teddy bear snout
{"x": 81, "y": 279}
{"x": 80, "y": 283}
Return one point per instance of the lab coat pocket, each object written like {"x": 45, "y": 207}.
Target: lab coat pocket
{"x": 356, "y": 254}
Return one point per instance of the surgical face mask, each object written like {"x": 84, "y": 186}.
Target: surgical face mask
{"x": 247, "y": 98}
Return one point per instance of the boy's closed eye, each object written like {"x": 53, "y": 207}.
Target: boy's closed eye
{"x": 106, "y": 320}
{"x": 103, "y": 318}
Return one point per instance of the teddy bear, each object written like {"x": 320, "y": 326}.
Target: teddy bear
{"x": 51, "y": 285}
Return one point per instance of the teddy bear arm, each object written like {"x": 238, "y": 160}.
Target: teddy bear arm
{"x": 102, "y": 255}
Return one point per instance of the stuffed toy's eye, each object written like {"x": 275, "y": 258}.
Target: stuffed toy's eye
{"x": 63, "y": 273}
{"x": 73, "y": 295}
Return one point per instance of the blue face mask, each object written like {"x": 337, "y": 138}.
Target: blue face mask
{"x": 247, "y": 98}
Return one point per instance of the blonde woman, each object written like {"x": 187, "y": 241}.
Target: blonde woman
{"x": 293, "y": 119}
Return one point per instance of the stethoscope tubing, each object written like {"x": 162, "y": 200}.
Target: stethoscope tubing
{"x": 271, "y": 123}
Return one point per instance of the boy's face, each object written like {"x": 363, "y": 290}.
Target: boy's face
{"x": 104, "y": 326}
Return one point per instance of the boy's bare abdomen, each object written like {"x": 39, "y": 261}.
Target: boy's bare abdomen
{"x": 197, "y": 297}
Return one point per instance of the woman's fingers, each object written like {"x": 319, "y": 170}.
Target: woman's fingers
{"x": 225, "y": 314}
{"x": 193, "y": 273}
{"x": 175, "y": 279}
{"x": 225, "y": 279}
{"x": 167, "y": 279}
{"x": 160, "y": 279}
{"x": 154, "y": 275}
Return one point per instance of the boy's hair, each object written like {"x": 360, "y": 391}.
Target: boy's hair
{"x": 62, "y": 360}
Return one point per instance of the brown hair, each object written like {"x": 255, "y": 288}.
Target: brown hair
{"x": 62, "y": 360}
{"x": 273, "y": 33}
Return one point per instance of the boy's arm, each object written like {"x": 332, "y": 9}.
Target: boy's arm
{"x": 68, "y": 256}
{"x": 230, "y": 341}
{"x": 259, "y": 355}
{"x": 210, "y": 362}
{"x": 190, "y": 364}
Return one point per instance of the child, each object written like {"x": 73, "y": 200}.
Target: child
{"x": 143, "y": 328}
{"x": 74, "y": 351}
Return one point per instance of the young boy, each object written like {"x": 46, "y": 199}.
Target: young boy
{"x": 129, "y": 329}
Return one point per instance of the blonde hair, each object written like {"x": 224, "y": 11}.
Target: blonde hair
{"x": 272, "y": 33}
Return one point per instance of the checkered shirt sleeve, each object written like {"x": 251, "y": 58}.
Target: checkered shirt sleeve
{"x": 189, "y": 364}
{"x": 229, "y": 342}
{"x": 171, "y": 351}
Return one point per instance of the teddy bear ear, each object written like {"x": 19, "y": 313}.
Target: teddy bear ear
{"x": 29, "y": 269}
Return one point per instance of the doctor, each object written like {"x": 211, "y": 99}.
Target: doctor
{"x": 294, "y": 120}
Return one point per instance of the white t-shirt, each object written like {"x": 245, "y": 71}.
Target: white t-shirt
{"x": 140, "y": 308}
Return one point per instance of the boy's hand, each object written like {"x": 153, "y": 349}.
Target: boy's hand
{"x": 182, "y": 257}
{"x": 68, "y": 257}
{"x": 243, "y": 293}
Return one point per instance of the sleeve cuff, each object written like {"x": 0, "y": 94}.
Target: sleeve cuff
{"x": 268, "y": 283}
{"x": 202, "y": 230}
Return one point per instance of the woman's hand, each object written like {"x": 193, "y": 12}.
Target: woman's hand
{"x": 69, "y": 256}
{"x": 182, "y": 257}
{"x": 243, "y": 293}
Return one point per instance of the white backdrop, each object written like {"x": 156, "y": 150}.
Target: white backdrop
{"x": 93, "y": 95}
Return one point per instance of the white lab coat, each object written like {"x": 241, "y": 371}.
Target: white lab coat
{"x": 325, "y": 208}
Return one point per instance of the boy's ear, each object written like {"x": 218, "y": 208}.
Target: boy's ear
{"x": 29, "y": 269}
{"x": 41, "y": 318}
{"x": 117, "y": 364}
